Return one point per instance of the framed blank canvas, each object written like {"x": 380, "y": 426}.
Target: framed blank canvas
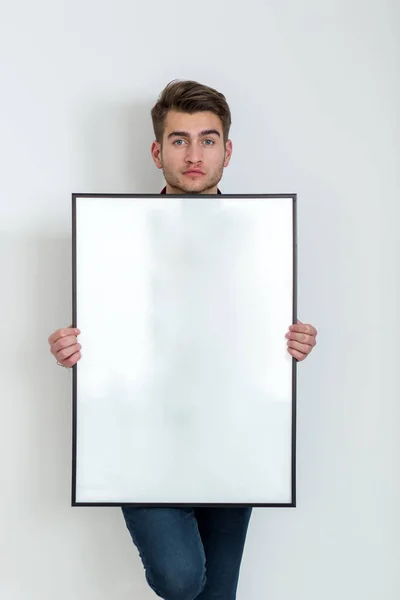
{"x": 185, "y": 394}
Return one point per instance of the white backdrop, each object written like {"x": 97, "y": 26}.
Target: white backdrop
{"x": 315, "y": 97}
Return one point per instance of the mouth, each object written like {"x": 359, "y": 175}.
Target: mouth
{"x": 193, "y": 172}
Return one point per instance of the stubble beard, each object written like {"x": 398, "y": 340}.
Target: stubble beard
{"x": 195, "y": 186}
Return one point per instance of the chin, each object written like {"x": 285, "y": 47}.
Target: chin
{"x": 196, "y": 187}
{"x": 189, "y": 186}
{"x": 191, "y": 189}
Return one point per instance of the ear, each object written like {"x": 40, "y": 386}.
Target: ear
{"x": 156, "y": 154}
{"x": 228, "y": 152}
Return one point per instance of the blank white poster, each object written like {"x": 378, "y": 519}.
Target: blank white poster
{"x": 185, "y": 390}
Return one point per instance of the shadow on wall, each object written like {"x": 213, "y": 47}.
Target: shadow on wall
{"x": 114, "y": 149}
{"x": 112, "y": 155}
{"x": 75, "y": 546}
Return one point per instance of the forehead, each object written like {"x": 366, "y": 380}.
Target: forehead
{"x": 192, "y": 123}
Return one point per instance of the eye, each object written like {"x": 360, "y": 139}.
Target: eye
{"x": 209, "y": 142}
{"x": 176, "y": 142}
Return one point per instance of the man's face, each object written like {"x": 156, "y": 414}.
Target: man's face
{"x": 192, "y": 154}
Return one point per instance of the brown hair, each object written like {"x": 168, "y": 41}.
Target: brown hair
{"x": 189, "y": 97}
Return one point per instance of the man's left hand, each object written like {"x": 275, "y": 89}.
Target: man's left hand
{"x": 301, "y": 339}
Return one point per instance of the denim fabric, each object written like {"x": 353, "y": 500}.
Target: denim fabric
{"x": 190, "y": 553}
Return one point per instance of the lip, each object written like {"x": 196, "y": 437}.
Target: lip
{"x": 194, "y": 172}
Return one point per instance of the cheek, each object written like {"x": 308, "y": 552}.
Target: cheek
{"x": 215, "y": 157}
{"x": 170, "y": 159}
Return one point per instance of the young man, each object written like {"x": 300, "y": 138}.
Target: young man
{"x": 189, "y": 553}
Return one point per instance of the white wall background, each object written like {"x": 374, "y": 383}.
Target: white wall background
{"x": 314, "y": 91}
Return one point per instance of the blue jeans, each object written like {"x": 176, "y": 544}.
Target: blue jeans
{"x": 190, "y": 553}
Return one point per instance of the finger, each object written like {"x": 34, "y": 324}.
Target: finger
{"x": 64, "y": 342}
{"x": 61, "y": 333}
{"x": 303, "y": 338}
{"x": 66, "y": 353}
{"x": 296, "y": 354}
{"x": 71, "y": 361}
{"x": 303, "y": 348}
{"x": 303, "y": 328}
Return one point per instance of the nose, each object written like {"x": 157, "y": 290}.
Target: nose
{"x": 194, "y": 154}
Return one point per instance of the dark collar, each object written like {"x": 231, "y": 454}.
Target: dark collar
{"x": 164, "y": 191}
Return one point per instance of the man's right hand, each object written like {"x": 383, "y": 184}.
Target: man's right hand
{"x": 65, "y": 347}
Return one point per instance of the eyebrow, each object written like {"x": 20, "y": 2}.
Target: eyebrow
{"x": 187, "y": 134}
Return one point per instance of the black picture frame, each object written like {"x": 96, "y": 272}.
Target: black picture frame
{"x": 75, "y": 323}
